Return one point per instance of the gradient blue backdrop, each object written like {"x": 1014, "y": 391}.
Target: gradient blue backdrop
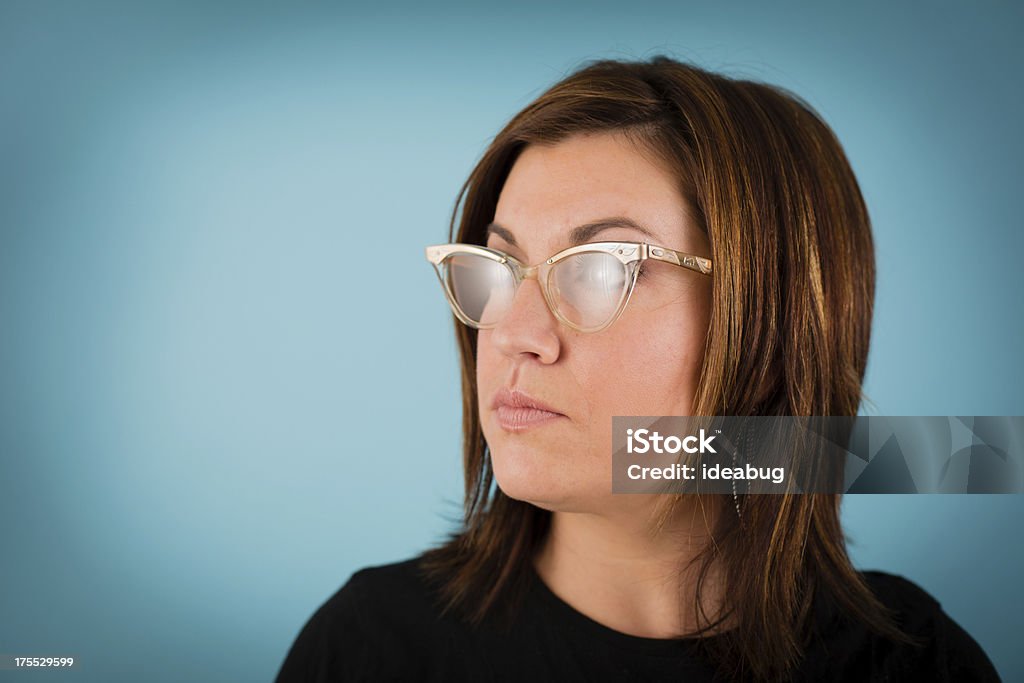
{"x": 204, "y": 348}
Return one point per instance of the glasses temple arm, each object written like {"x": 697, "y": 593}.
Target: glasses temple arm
{"x": 697, "y": 263}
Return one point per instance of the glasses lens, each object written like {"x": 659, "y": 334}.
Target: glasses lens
{"x": 483, "y": 288}
{"x": 587, "y": 288}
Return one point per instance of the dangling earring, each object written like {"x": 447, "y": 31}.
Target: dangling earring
{"x": 735, "y": 496}
{"x": 747, "y": 441}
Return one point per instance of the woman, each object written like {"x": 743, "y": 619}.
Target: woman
{"x": 646, "y": 238}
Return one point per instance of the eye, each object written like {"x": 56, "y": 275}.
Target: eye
{"x": 581, "y": 270}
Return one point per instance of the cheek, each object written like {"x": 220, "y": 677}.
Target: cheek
{"x": 486, "y": 366}
{"x": 654, "y": 371}
{"x": 489, "y": 357}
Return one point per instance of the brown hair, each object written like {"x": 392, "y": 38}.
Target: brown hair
{"x": 792, "y": 294}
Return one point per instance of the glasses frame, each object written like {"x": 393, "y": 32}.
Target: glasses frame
{"x": 630, "y": 254}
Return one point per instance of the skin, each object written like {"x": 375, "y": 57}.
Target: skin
{"x": 600, "y": 556}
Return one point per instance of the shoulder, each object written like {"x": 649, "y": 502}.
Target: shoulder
{"x": 400, "y": 584}
{"x": 376, "y": 598}
{"x": 943, "y": 651}
{"x": 381, "y": 609}
{"x": 912, "y": 604}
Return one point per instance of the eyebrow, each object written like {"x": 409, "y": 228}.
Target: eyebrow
{"x": 581, "y": 234}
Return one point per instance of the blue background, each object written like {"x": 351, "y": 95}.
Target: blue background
{"x": 214, "y": 306}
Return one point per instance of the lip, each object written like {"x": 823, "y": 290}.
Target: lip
{"x": 517, "y": 411}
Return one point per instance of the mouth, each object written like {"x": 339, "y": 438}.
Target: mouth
{"x": 517, "y": 411}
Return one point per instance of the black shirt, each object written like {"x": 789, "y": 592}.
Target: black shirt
{"x": 384, "y": 625}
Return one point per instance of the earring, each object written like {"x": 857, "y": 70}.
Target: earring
{"x": 747, "y": 441}
{"x": 735, "y": 496}
{"x": 735, "y": 500}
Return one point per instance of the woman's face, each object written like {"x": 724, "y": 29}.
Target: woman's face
{"x": 647, "y": 363}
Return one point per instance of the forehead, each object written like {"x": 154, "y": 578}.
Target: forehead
{"x": 552, "y": 189}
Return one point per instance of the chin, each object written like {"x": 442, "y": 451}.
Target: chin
{"x": 548, "y": 488}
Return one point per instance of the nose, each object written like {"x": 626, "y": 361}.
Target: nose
{"x": 528, "y": 327}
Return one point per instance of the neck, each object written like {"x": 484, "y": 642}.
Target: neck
{"x": 615, "y": 570}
